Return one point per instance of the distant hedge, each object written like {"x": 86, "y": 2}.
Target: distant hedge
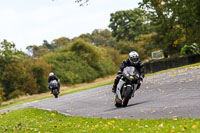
{"x": 80, "y": 62}
{"x": 25, "y": 77}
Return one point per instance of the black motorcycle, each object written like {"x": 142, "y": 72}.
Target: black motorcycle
{"x": 53, "y": 85}
{"x": 127, "y": 86}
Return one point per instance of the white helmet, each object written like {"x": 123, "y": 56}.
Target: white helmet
{"x": 134, "y": 57}
{"x": 51, "y": 74}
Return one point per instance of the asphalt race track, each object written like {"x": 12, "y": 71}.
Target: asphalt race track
{"x": 164, "y": 95}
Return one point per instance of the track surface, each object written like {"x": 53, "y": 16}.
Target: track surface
{"x": 164, "y": 95}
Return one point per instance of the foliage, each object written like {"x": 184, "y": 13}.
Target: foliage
{"x": 37, "y": 51}
{"x": 114, "y": 55}
{"x": 60, "y": 42}
{"x": 25, "y": 77}
{"x": 129, "y": 24}
{"x": 70, "y": 68}
{"x": 35, "y": 120}
{"x": 46, "y": 47}
{"x": 103, "y": 38}
{"x": 175, "y": 22}
{"x": 1, "y": 94}
{"x": 80, "y": 62}
{"x": 8, "y": 54}
{"x": 99, "y": 38}
{"x": 126, "y": 46}
{"x": 190, "y": 49}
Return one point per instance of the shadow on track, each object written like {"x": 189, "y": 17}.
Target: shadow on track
{"x": 130, "y": 105}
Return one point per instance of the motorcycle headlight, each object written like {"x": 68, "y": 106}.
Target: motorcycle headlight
{"x": 131, "y": 77}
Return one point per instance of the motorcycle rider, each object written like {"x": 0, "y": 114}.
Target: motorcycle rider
{"x": 132, "y": 60}
{"x": 52, "y": 76}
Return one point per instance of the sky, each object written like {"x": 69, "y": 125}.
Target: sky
{"x": 29, "y": 22}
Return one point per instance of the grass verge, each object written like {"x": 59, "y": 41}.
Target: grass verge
{"x": 47, "y": 95}
{"x": 40, "y": 121}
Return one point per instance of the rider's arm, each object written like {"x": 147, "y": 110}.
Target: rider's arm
{"x": 122, "y": 66}
{"x": 57, "y": 79}
{"x": 49, "y": 80}
{"x": 141, "y": 69}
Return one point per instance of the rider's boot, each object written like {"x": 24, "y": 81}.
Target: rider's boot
{"x": 138, "y": 86}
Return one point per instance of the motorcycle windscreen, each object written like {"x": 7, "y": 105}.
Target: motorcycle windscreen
{"x": 130, "y": 70}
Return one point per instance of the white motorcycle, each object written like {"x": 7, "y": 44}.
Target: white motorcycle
{"x": 127, "y": 86}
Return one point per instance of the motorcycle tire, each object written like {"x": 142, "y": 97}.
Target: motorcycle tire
{"x": 127, "y": 96}
{"x": 55, "y": 93}
{"x": 118, "y": 105}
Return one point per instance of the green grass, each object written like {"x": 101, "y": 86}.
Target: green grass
{"x": 41, "y": 121}
{"x": 17, "y": 102}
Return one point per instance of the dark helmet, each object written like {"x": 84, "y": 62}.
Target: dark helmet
{"x": 134, "y": 57}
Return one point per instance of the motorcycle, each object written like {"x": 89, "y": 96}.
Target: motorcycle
{"x": 53, "y": 85}
{"x": 127, "y": 86}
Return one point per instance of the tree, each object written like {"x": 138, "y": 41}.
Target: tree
{"x": 175, "y": 22}
{"x": 103, "y": 38}
{"x": 60, "y": 42}
{"x": 25, "y": 77}
{"x": 8, "y": 54}
{"x": 99, "y": 38}
{"x": 37, "y": 51}
{"x": 129, "y": 24}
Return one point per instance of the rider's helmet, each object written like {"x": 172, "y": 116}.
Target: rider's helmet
{"x": 134, "y": 57}
{"x": 51, "y": 74}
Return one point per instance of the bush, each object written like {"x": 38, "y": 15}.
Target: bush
{"x": 114, "y": 55}
{"x": 126, "y": 47}
{"x": 25, "y": 77}
{"x": 80, "y": 62}
{"x": 190, "y": 49}
{"x": 1, "y": 95}
{"x": 15, "y": 94}
{"x": 70, "y": 68}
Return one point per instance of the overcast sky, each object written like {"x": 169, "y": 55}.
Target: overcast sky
{"x": 29, "y": 22}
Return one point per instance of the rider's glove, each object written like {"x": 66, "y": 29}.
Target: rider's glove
{"x": 119, "y": 72}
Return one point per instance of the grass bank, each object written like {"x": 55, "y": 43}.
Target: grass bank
{"x": 76, "y": 88}
{"x": 41, "y": 121}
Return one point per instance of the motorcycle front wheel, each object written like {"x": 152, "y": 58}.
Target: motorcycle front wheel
{"x": 127, "y": 96}
{"x": 55, "y": 93}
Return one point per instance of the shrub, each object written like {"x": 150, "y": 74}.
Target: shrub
{"x": 70, "y": 68}
{"x": 80, "y": 62}
{"x": 190, "y": 49}
{"x": 114, "y": 55}
{"x": 126, "y": 46}
{"x": 25, "y": 77}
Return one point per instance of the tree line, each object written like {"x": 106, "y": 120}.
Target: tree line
{"x": 168, "y": 25}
